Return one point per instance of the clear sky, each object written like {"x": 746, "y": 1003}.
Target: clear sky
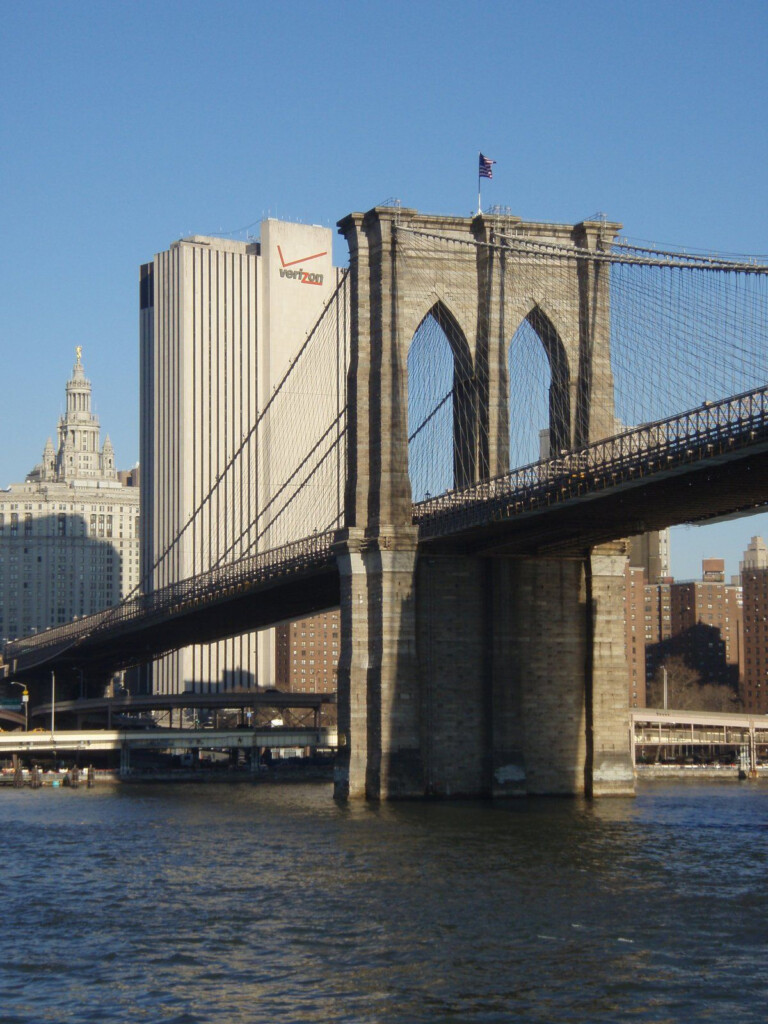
{"x": 125, "y": 126}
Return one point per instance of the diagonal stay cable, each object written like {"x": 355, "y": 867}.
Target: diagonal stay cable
{"x": 246, "y": 439}
{"x": 431, "y": 415}
{"x": 287, "y": 482}
{"x": 296, "y": 493}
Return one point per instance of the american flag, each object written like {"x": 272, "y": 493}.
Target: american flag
{"x": 486, "y": 168}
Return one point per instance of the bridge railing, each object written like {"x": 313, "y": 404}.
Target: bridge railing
{"x": 693, "y": 435}
{"x": 206, "y": 588}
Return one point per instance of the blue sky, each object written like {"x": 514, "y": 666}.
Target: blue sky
{"x": 127, "y": 125}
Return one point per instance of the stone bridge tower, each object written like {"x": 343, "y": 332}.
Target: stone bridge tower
{"x": 463, "y": 674}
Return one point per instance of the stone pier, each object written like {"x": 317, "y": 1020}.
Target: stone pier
{"x": 473, "y": 674}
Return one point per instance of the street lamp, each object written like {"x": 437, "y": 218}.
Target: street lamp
{"x": 25, "y": 702}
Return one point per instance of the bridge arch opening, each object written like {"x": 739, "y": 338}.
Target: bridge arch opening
{"x": 539, "y": 394}
{"x": 441, "y": 406}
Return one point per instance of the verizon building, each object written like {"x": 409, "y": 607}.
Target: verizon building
{"x": 219, "y": 323}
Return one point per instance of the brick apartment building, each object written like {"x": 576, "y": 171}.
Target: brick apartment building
{"x": 307, "y": 654}
{"x": 754, "y": 581}
{"x": 699, "y": 621}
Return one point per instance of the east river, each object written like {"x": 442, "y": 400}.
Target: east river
{"x": 270, "y": 903}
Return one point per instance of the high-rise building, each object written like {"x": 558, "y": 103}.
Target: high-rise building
{"x": 308, "y": 654}
{"x": 657, "y": 612}
{"x": 754, "y": 582}
{"x": 650, "y": 551}
{"x": 647, "y": 570}
{"x": 220, "y": 322}
{"x": 634, "y": 601}
{"x": 696, "y": 621}
{"x": 69, "y": 535}
{"x": 699, "y": 621}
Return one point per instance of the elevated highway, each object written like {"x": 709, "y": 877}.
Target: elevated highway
{"x": 69, "y": 740}
{"x": 82, "y": 742}
{"x": 139, "y": 703}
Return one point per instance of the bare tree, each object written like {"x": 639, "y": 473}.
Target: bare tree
{"x": 687, "y": 691}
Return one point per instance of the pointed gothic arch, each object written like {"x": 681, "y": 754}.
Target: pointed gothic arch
{"x": 553, "y": 412}
{"x": 442, "y": 400}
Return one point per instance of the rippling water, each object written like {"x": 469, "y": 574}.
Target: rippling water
{"x": 270, "y": 903}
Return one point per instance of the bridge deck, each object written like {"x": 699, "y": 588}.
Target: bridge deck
{"x": 708, "y": 462}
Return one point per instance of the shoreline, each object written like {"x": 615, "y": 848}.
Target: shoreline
{"x": 301, "y": 774}
{"x": 725, "y": 772}
{"x": 112, "y": 777}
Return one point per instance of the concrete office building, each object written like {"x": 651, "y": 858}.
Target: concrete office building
{"x": 219, "y": 323}
{"x": 69, "y": 535}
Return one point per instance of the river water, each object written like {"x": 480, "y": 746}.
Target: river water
{"x": 251, "y": 903}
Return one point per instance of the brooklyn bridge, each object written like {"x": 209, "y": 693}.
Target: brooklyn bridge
{"x": 478, "y": 561}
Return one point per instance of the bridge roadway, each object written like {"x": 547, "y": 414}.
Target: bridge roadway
{"x": 707, "y": 463}
{"x": 710, "y": 462}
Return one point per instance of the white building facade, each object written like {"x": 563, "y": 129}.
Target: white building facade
{"x": 220, "y": 322}
{"x": 69, "y": 535}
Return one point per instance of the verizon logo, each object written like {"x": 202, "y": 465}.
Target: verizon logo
{"x": 300, "y": 275}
